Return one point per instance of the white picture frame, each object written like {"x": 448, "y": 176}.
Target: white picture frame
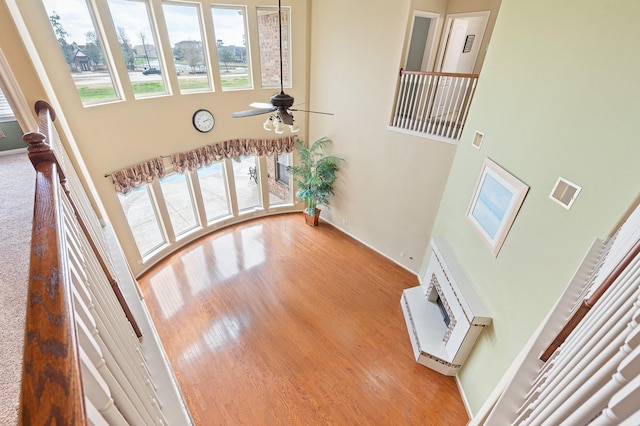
{"x": 496, "y": 201}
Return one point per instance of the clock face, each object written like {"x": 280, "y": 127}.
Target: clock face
{"x": 203, "y": 120}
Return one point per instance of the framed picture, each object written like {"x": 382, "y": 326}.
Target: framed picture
{"x": 495, "y": 204}
{"x": 468, "y": 43}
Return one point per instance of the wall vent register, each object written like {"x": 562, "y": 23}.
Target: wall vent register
{"x": 565, "y": 192}
{"x": 444, "y": 314}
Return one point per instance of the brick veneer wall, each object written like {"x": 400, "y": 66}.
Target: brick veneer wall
{"x": 277, "y": 188}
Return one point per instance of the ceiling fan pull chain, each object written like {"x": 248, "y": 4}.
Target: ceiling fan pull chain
{"x": 280, "y": 38}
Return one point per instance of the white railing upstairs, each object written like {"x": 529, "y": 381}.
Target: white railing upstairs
{"x": 433, "y": 103}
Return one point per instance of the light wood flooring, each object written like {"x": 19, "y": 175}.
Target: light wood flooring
{"x": 275, "y": 322}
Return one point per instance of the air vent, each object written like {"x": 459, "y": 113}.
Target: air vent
{"x": 477, "y": 139}
{"x": 565, "y": 192}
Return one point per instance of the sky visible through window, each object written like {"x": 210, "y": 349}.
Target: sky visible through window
{"x": 77, "y": 23}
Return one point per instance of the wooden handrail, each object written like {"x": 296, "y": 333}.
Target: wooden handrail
{"x": 439, "y": 74}
{"x": 584, "y": 307}
{"x": 51, "y": 383}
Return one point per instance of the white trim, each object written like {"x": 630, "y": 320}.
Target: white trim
{"x": 465, "y": 401}
{"x": 24, "y": 116}
{"x": 424, "y": 135}
{"x": 445, "y": 33}
{"x": 372, "y": 248}
{"x": 13, "y": 152}
{"x": 174, "y": 406}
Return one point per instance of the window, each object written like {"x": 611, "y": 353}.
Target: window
{"x": 185, "y": 33}
{"x": 246, "y": 174}
{"x": 138, "y": 47}
{"x": 81, "y": 45}
{"x": 179, "y": 202}
{"x": 213, "y": 185}
{"x": 279, "y": 179}
{"x": 6, "y": 113}
{"x": 141, "y": 214}
{"x": 282, "y": 169}
{"x": 269, "y": 41}
{"x": 230, "y": 28}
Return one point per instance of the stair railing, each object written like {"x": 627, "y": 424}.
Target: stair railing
{"x": 83, "y": 362}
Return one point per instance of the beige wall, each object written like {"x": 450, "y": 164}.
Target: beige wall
{"x": 113, "y": 136}
{"x": 353, "y": 71}
{"x": 18, "y": 61}
{"x": 556, "y": 97}
{"x": 553, "y": 99}
{"x": 388, "y": 188}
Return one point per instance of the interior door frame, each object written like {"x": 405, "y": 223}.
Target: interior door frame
{"x": 447, "y": 26}
{"x": 429, "y": 54}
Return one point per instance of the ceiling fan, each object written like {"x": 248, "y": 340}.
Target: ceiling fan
{"x": 280, "y": 103}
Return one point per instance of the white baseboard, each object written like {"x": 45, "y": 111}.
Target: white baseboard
{"x": 372, "y": 248}
{"x": 465, "y": 401}
{"x": 13, "y": 152}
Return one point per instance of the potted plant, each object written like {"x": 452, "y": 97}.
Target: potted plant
{"x": 314, "y": 177}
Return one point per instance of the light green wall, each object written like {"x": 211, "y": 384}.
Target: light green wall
{"x": 13, "y": 136}
{"x": 558, "y": 96}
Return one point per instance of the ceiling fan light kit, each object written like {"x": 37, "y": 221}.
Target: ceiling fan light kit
{"x": 279, "y": 108}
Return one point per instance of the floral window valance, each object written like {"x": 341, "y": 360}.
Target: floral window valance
{"x": 233, "y": 148}
{"x": 135, "y": 176}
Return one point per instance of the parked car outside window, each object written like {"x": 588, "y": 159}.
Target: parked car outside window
{"x": 149, "y": 71}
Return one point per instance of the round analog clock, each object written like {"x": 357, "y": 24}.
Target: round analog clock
{"x": 203, "y": 120}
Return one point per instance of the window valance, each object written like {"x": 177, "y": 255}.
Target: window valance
{"x": 233, "y": 148}
{"x": 135, "y": 176}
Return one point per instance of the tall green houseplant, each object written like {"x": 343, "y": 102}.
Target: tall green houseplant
{"x": 314, "y": 176}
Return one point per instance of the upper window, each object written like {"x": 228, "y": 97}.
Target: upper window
{"x": 81, "y": 46}
{"x": 230, "y": 28}
{"x": 6, "y": 113}
{"x": 185, "y": 33}
{"x": 138, "y": 46}
{"x": 269, "y": 40}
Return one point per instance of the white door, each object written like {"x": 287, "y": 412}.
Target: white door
{"x": 452, "y": 59}
{"x": 462, "y": 39}
{"x": 458, "y": 53}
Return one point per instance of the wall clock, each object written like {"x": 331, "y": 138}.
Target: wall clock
{"x": 203, "y": 120}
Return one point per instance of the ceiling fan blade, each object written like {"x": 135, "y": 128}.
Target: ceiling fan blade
{"x": 262, "y": 105}
{"x": 286, "y": 117}
{"x": 251, "y": 112}
{"x": 314, "y": 112}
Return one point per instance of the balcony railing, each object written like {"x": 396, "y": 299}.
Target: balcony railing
{"x": 433, "y": 103}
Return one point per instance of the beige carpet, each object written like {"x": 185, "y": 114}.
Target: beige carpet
{"x": 17, "y": 183}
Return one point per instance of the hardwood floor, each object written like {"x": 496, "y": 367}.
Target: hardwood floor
{"x": 275, "y": 322}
